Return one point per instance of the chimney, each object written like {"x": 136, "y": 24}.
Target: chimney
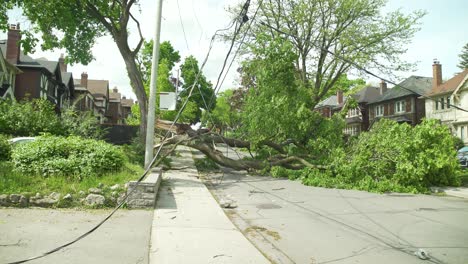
{"x": 63, "y": 65}
{"x": 436, "y": 74}
{"x": 13, "y": 46}
{"x": 84, "y": 79}
{"x": 124, "y": 97}
{"x": 383, "y": 87}
{"x": 115, "y": 89}
{"x": 339, "y": 96}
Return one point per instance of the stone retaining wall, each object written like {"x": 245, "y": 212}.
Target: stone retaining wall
{"x": 145, "y": 192}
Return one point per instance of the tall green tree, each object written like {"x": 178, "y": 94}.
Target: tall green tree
{"x": 354, "y": 29}
{"x": 463, "y": 58}
{"x": 203, "y": 92}
{"x": 75, "y": 26}
{"x": 224, "y": 116}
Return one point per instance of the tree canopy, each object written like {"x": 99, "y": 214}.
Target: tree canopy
{"x": 354, "y": 29}
{"x": 75, "y": 26}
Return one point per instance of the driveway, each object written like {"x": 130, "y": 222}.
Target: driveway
{"x": 293, "y": 223}
{"x": 29, "y": 232}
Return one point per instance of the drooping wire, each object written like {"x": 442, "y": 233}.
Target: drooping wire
{"x": 235, "y": 54}
{"x": 182, "y": 25}
{"x": 240, "y": 20}
{"x": 163, "y": 141}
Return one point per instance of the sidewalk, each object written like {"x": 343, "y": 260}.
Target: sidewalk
{"x": 461, "y": 192}
{"x": 190, "y": 227}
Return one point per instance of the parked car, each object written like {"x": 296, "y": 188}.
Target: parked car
{"x": 462, "y": 155}
{"x": 21, "y": 140}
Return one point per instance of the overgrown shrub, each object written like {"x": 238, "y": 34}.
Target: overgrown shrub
{"x": 82, "y": 124}
{"x": 5, "y": 148}
{"x": 29, "y": 118}
{"x": 67, "y": 156}
{"x": 419, "y": 157}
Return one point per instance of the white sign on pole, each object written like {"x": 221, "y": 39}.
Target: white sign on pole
{"x": 167, "y": 101}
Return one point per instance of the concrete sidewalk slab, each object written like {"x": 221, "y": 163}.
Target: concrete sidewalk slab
{"x": 190, "y": 227}
{"x": 461, "y": 192}
{"x": 30, "y": 232}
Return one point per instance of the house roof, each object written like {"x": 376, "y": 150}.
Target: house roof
{"x": 417, "y": 84}
{"x": 98, "y": 88}
{"x": 66, "y": 77}
{"x": 364, "y": 95}
{"x": 330, "y": 101}
{"x": 27, "y": 61}
{"x": 127, "y": 102}
{"x": 51, "y": 66}
{"x": 450, "y": 85}
{"x": 367, "y": 94}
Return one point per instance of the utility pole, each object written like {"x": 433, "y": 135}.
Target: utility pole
{"x": 149, "y": 152}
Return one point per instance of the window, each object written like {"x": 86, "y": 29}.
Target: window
{"x": 442, "y": 103}
{"x": 400, "y": 107}
{"x": 379, "y": 110}
{"x": 353, "y": 112}
{"x": 462, "y": 132}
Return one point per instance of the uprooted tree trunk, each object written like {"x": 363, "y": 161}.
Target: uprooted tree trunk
{"x": 205, "y": 142}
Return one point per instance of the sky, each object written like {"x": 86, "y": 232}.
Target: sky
{"x": 443, "y": 34}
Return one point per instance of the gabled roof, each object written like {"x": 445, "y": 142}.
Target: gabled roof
{"x": 367, "y": 94}
{"x": 450, "y": 85}
{"x": 98, "y": 88}
{"x": 67, "y": 77}
{"x": 51, "y": 66}
{"x": 416, "y": 84}
{"x": 364, "y": 95}
{"x": 330, "y": 101}
{"x": 27, "y": 61}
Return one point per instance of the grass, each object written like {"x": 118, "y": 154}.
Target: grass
{"x": 15, "y": 182}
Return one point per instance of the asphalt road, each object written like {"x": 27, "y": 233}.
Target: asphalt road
{"x": 293, "y": 223}
{"x": 29, "y": 232}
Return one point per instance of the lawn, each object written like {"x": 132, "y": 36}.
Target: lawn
{"x": 15, "y": 182}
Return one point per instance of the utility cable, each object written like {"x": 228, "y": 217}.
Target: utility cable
{"x": 141, "y": 177}
{"x": 357, "y": 66}
{"x": 182, "y": 24}
{"x": 240, "y": 20}
{"x": 237, "y": 51}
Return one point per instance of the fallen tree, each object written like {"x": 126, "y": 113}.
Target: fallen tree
{"x": 205, "y": 141}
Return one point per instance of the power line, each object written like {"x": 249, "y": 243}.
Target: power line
{"x": 237, "y": 52}
{"x": 182, "y": 24}
{"x": 240, "y": 20}
{"x": 357, "y": 66}
{"x": 144, "y": 173}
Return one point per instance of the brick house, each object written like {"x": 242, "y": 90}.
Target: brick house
{"x": 400, "y": 104}
{"x": 446, "y": 94}
{"x": 93, "y": 95}
{"x": 327, "y": 106}
{"x": 84, "y": 100}
{"x": 8, "y": 74}
{"x": 40, "y": 78}
{"x": 114, "y": 111}
{"x": 126, "y": 108}
{"x": 357, "y": 119}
